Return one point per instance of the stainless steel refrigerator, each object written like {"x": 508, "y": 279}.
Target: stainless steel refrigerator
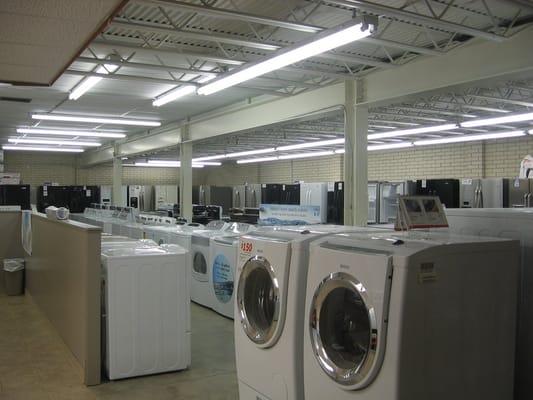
{"x": 140, "y": 197}
{"x": 482, "y": 193}
{"x": 389, "y": 192}
{"x": 373, "y": 202}
{"x": 518, "y": 193}
{"x": 205, "y": 195}
{"x": 239, "y": 196}
{"x": 315, "y": 194}
{"x": 253, "y": 195}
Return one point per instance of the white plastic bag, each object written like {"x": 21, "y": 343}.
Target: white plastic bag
{"x": 13, "y": 264}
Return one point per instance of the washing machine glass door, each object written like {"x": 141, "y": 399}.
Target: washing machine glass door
{"x": 258, "y": 301}
{"x": 344, "y": 332}
{"x": 199, "y": 266}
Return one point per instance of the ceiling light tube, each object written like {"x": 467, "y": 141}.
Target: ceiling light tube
{"x": 59, "y": 132}
{"x": 498, "y": 120}
{"x": 207, "y": 158}
{"x": 340, "y": 151}
{"x": 57, "y": 142}
{"x": 250, "y": 152}
{"x": 95, "y": 120}
{"x": 39, "y": 148}
{"x": 414, "y": 131}
{"x": 174, "y": 94}
{"x": 389, "y": 146}
{"x": 178, "y": 163}
{"x": 88, "y": 83}
{"x": 254, "y": 160}
{"x": 156, "y": 165}
{"x": 319, "y": 43}
{"x": 306, "y": 155}
{"x": 307, "y": 145}
{"x": 470, "y": 138}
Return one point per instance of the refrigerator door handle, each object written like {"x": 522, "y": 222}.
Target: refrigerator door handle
{"x": 526, "y": 199}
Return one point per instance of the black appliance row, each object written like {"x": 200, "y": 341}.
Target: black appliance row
{"x": 15, "y": 195}
{"x": 275, "y": 193}
{"x": 75, "y": 198}
{"x": 446, "y": 189}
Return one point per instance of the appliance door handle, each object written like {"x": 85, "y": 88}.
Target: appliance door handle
{"x": 525, "y": 199}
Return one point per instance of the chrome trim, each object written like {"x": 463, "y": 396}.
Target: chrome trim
{"x": 256, "y": 335}
{"x": 360, "y": 375}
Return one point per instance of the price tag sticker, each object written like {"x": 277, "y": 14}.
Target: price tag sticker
{"x": 247, "y": 247}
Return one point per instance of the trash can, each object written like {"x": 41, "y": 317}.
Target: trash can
{"x": 14, "y": 276}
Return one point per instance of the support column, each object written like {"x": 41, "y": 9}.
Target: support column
{"x": 355, "y": 156}
{"x": 185, "y": 175}
{"x": 117, "y": 178}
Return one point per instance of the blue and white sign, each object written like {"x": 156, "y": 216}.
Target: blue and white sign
{"x": 222, "y": 278}
{"x": 288, "y": 214}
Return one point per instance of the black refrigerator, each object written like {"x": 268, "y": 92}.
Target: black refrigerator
{"x": 15, "y": 195}
{"x": 446, "y": 189}
{"x": 290, "y": 194}
{"x": 271, "y": 193}
{"x": 336, "y": 204}
{"x": 75, "y": 198}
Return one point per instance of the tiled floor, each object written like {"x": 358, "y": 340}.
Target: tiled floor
{"x": 35, "y": 363}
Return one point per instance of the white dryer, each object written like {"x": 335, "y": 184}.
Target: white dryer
{"x": 270, "y": 296}
{"x": 410, "y": 317}
{"x": 224, "y": 252}
{"x": 147, "y": 310}
{"x": 511, "y": 223}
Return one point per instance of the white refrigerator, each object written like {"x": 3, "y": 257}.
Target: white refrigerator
{"x": 315, "y": 194}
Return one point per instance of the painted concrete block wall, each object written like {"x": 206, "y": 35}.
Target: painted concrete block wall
{"x": 502, "y": 157}
{"x": 37, "y": 168}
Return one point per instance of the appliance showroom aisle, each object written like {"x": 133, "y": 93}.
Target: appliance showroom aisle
{"x": 36, "y": 365}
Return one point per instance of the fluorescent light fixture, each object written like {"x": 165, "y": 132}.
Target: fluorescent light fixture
{"x": 470, "y": 138}
{"x": 58, "y": 142}
{"x": 389, "y": 146}
{"x": 39, "y": 148}
{"x": 340, "y": 151}
{"x": 95, "y": 120}
{"x": 207, "y": 158}
{"x": 178, "y": 163}
{"x": 251, "y": 152}
{"x": 323, "y": 42}
{"x": 59, "y": 132}
{"x": 307, "y": 145}
{"x": 89, "y": 82}
{"x": 306, "y": 155}
{"x": 157, "y": 165}
{"x": 254, "y": 160}
{"x": 414, "y": 131}
{"x": 498, "y": 120}
{"x": 174, "y": 94}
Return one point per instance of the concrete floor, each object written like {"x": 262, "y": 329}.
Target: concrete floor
{"x": 36, "y": 364}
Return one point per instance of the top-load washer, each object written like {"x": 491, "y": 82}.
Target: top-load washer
{"x": 147, "y": 309}
{"x": 270, "y": 296}
{"x": 200, "y": 253}
{"x": 410, "y": 316}
{"x": 224, "y": 252}
{"x": 511, "y": 223}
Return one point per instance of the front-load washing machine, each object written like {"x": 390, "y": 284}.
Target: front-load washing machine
{"x": 410, "y": 317}
{"x": 224, "y": 252}
{"x": 200, "y": 243}
{"x": 147, "y": 310}
{"x": 270, "y": 296}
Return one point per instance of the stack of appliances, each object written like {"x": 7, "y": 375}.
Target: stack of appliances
{"x": 15, "y": 195}
{"x": 446, "y": 189}
{"x": 146, "y": 303}
{"x": 512, "y": 224}
{"x": 224, "y": 252}
{"x": 408, "y": 316}
{"x": 75, "y": 198}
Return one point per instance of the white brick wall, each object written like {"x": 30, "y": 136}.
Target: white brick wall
{"x": 490, "y": 159}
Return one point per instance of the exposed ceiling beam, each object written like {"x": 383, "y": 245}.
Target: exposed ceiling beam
{"x": 254, "y": 44}
{"x": 415, "y": 18}
{"x": 127, "y": 46}
{"x": 164, "y": 81}
{"x": 502, "y": 100}
{"x": 263, "y": 20}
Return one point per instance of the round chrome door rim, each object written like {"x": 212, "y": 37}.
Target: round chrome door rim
{"x": 262, "y": 339}
{"x": 358, "y": 377}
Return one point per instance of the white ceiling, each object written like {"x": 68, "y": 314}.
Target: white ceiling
{"x": 398, "y": 41}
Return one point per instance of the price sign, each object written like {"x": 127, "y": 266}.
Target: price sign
{"x": 246, "y": 247}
